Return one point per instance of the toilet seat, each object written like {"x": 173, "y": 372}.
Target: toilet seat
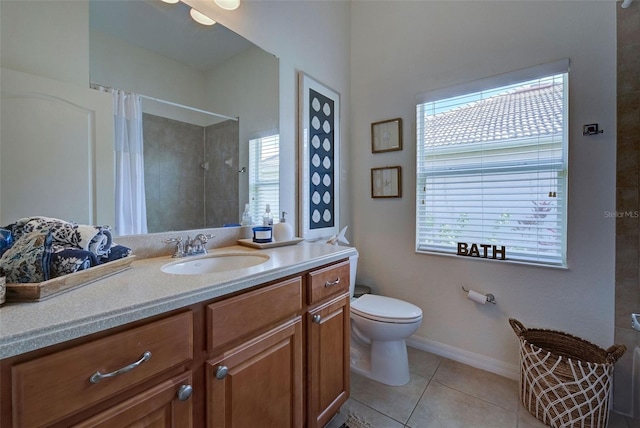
{"x": 386, "y": 309}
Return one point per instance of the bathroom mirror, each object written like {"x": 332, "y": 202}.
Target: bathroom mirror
{"x": 48, "y": 63}
{"x": 196, "y": 164}
{"x": 57, "y": 134}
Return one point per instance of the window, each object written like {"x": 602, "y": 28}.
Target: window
{"x": 492, "y": 166}
{"x": 264, "y": 176}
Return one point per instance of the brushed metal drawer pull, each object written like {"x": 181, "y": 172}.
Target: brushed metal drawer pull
{"x": 316, "y": 319}
{"x": 332, "y": 283}
{"x": 97, "y": 376}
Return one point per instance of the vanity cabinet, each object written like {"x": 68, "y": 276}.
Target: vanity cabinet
{"x": 274, "y": 355}
{"x": 328, "y": 335}
{"x": 259, "y": 382}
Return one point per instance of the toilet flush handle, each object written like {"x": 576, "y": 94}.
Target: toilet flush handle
{"x": 332, "y": 283}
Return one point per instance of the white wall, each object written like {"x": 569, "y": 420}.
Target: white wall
{"x": 236, "y": 88}
{"x": 46, "y": 38}
{"x": 415, "y": 47}
{"x": 225, "y": 90}
{"x": 118, "y": 64}
{"x": 47, "y": 22}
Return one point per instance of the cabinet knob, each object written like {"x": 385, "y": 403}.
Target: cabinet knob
{"x": 221, "y": 372}
{"x": 316, "y": 318}
{"x": 184, "y": 392}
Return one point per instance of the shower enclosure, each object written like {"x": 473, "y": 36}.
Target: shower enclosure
{"x": 191, "y": 173}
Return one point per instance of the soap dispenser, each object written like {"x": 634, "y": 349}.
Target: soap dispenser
{"x": 282, "y": 231}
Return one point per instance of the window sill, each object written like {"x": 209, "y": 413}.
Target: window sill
{"x": 483, "y": 259}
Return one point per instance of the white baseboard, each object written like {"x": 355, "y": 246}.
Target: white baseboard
{"x": 469, "y": 358}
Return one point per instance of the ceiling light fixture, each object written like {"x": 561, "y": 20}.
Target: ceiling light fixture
{"x": 228, "y": 4}
{"x": 201, "y": 18}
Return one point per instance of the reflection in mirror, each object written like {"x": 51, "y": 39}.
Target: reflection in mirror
{"x": 193, "y": 184}
{"x": 196, "y": 165}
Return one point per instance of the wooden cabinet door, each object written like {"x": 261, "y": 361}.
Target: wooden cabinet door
{"x": 166, "y": 405}
{"x": 328, "y": 334}
{"x": 258, "y": 383}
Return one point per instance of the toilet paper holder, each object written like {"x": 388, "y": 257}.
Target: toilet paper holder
{"x": 490, "y": 297}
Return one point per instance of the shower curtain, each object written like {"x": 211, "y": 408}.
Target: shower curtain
{"x": 131, "y": 209}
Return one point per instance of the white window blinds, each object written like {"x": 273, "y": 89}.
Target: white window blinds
{"x": 264, "y": 176}
{"x": 492, "y": 167}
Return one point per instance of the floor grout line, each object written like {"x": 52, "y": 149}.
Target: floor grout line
{"x": 406, "y": 424}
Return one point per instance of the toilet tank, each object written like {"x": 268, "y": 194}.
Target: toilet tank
{"x": 353, "y": 260}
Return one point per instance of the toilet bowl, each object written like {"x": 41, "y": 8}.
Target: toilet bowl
{"x": 379, "y": 327}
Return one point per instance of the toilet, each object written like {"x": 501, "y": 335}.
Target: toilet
{"x": 379, "y": 327}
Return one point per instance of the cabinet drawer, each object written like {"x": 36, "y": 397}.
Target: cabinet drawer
{"x": 329, "y": 281}
{"x": 160, "y": 406}
{"x": 233, "y": 318}
{"x": 51, "y": 387}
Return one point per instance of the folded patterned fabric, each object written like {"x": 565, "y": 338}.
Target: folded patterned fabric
{"x": 29, "y": 258}
{"x": 100, "y": 243}
{"x": 6, "y": 240}
{"x": 65, "y": 260}
{"x": 96, "y": 239}
{"x": 35, "y": 249}
{"x": 117, "y": 252}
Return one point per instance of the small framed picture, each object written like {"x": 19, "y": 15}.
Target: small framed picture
{"x": 386, "y": 136}
{"x": 386, "y": 182}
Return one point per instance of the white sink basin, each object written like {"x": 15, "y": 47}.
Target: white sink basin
{"x": 214, "y": 263}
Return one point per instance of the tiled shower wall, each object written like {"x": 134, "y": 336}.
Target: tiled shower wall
{"x": 627, "y": 287}
{"x": 180, "y": 193}
{"x": 221, "y": 184}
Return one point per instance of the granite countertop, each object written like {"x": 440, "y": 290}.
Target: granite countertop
{"x": 144, "y": 291}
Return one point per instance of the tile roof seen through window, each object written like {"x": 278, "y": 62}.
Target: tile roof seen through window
{"x": 525, "y": 112}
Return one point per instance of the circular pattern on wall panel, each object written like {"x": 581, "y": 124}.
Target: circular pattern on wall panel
{"x": 321, "y": 155}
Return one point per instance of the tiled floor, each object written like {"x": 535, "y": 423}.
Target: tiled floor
{"x": 444, "y": 394}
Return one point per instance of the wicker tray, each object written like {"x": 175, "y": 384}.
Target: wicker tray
{"x": 37, "y": 291}
{"x": 273, "y": 244}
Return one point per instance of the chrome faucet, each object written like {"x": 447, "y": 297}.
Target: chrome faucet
{"x": 179, "y": 246}
{"x": 197, "y": 245}
{"x": 191, "y": 247}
